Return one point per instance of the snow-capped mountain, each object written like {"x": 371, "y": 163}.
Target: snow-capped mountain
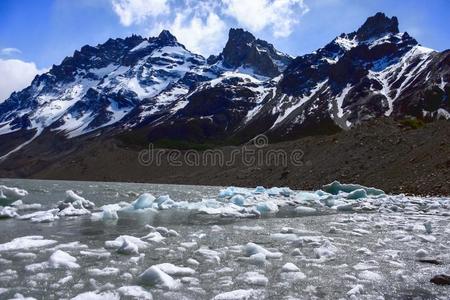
{"x": 158, "y": 88}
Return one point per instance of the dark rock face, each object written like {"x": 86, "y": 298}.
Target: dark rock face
{"x": 244, "y": 50}
{"x": 377, "y": 25}
{"x": 157, "y": 87}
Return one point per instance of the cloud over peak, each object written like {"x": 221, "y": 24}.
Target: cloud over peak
{"x": 280, "y": 15}
{"x": 136, "y": 11}
{"x": 202, "y": 25}
{"x": 19, "y": 75}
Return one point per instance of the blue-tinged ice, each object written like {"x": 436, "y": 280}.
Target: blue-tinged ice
{"x": 335, "y": 187}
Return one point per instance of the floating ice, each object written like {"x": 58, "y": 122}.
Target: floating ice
{"x": 259, "y": 190}
{"x": 370, "y": 276}
{"x": 25, "y": 255}
{"x": 240, "y": 295}
{"x": 253, "y": 278}
{"x": 60, "y": 259}
{"x": 76, "y": 201}
{"x": 238, "y": 200}
{"x": 208, "y": 255}
{"x": 290, "y": 267}
{"x": 118, "y": 242}
{"x": 267, "y": 207}
{"x": 421, "y": 253}
{"x": 306, "y": 197}
{"x": 164, "y": 202}
{"x": 128, "y": 248}
{"x": 356, "y": 291}
{"x": 326, "y": 251}
{"x": 109, "y": 212}
{"x": 175, "y": 270}
{"x": 108, "y": 271}
{"x": 45, "y": 216}
{"x": 357, "y": 194}
{"x": 258, "y": 259}
{"x": 143, "y": 201}
{"x": 26, "y": 242}
{"x": 21, "y": 297}
{"x": 8, "y": 212}
{"x": 292, "y": 276}
{"x": 10, "y": 194}
{"x": 97, "y": 296}
{"x": 68, "y": 210}
{"x": 252, "y": 248}
{"x": 134, "y": 292}
{"x": 154, "y": 276}
{"x": 155, "y": 237}
{"x": 305, "y": 211}
{"x": 335, "y": 187}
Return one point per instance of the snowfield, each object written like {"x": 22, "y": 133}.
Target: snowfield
{"x": 69, "y": 240}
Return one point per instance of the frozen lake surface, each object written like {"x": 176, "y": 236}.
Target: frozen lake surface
{"x": 197, "y": 242}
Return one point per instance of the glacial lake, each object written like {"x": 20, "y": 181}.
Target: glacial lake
{"x": 264, "y": 244}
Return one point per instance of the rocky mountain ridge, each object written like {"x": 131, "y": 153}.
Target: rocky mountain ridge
{"x": 155, "y": 89}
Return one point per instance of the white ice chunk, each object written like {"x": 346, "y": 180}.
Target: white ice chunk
{"x": 62, "y": 260}
{"x": 171, "y": 269}
{"x": 253, "y": 278}
{"x": 267, "y": 207}
{"x": 118, "y": 242}
{"x": 240, "y": 295}
{"x": 134, "y": 292}
{"x": 11, "y": 193}
{"x": 21, "y": 297}
{"x": 78, "y": 201}
{"x": 370, "y": 276}
{"x": 108, "y": 271}
{"x": 305, "y": 211}
{"x": 8, "y": 212}
{"x": 326, "y": 251}
{"x": 45, "y": 216}
{"x": 97, "y": 296}
{"x": 26, "y": 242}
{"x": 154, "y": 276}
{"x": 290, "y": 267}
{"x": 128, "y": 248}
{"x": 252, "y": 248}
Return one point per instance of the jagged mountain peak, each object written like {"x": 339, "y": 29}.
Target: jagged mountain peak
{"x": 157, "y": 84}
{"x": 244, "y": 50}
{"x": 377, "y": 25}
{"x": 167, "y": 37}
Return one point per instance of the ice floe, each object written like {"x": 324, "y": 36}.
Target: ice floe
{"x": 26, "y": 242}
{"x": 155, "y": 276}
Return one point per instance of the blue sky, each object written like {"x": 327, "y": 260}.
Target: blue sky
{"x": 39, "y": 33}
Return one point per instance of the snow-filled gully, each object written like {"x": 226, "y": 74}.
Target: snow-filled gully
{"x": 340, "y": 242}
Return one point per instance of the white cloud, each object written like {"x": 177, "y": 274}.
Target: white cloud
{"x": 10, "y": 51}
{"x": 204, "y": 35}
{"x": 136, "y": 11}
{"x": 256, "y": 15}
{"x": 16, "y": 75}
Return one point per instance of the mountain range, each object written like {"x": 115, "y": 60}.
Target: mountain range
{"x": 142, "y": 90}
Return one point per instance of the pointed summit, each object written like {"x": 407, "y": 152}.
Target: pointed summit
{"x": 167, "y": 37}
{"x": 244, "y": 50}
{"x": 238, "y": 46}
{"x": 377, "y": 25}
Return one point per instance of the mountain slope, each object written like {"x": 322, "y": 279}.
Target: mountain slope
{"x": 156, "y": 89}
